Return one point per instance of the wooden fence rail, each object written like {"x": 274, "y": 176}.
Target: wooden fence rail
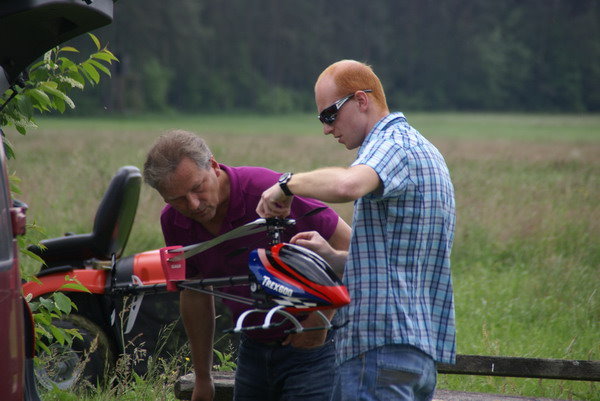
{"x": 560, "y": 369}
{"x": 523, "y": 367}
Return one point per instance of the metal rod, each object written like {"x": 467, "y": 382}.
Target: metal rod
{"x": 130, "y": 288}
{"x": 219, "y": 294}
{"x": 218, "y": 281}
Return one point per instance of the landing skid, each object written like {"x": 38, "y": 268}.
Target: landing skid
{"x": 270, "y": 313}
{"x": 268, "y": 324}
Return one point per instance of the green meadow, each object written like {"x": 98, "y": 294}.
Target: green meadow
{"x": 526, "y": 257}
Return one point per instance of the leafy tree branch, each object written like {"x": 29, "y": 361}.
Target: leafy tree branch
{"x": 46, "y": 86}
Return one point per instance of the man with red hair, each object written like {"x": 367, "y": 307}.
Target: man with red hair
{"x": 401, "y": 317}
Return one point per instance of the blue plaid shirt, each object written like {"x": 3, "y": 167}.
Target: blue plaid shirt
{"x": 398, "y": 269}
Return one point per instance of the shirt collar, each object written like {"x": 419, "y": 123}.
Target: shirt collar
{"x": 380, "y": 126}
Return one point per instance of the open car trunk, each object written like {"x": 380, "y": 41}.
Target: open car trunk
{"x": 29, "y": 28}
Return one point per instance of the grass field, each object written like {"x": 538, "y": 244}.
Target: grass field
{"x": 526, "y": 259}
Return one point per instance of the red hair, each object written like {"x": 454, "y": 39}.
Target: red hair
{"x": 350, "y": 76}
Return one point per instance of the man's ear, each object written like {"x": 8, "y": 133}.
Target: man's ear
{"x": 363, "y": 100}
{"x": 215, "y": 165}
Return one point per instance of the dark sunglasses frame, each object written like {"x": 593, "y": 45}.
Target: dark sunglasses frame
{"x": 329, "y": 114}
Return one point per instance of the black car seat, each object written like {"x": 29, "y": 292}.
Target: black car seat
{"x": 112, "y": 226}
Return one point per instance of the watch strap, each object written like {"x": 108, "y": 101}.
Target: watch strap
{"x": 283, "y": 180}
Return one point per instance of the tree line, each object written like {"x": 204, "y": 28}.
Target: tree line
{"x": 264, "y": 55}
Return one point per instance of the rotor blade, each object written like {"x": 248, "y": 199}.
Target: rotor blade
{"x": 313, "y": 212}
{"x": 237, "y": 252}
{"x": 253, "y": 227}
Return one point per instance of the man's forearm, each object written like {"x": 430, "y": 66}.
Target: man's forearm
{"x": 335, "y": 184}
{"x": 340, "y": 242}
{"x": 198, "y": 316}
{"x": 337, "y": 261}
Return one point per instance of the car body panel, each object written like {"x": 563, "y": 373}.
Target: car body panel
{"x": 12, "y": 330}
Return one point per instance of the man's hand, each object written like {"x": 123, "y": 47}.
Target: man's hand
{"x": 315, "y": 242}
{"x": 309, "y": 339}
{"x": 274, "y": 203}
{"x": 204, "y": 388}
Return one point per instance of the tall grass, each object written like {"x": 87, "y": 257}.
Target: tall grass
{"x": 526, "y": 259}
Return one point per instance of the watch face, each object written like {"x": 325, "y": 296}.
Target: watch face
{"x": 284, "y": 178}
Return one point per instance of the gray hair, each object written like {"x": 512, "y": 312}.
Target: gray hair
{"x": 169, "y": 150}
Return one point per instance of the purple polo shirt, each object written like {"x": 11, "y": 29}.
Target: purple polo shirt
{"x": 230, "y": 258}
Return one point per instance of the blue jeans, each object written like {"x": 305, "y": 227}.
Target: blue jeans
{"x": 391, "y": 372}
{"x": 284, "y": 373}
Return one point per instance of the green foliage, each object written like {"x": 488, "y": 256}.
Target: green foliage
{"x": 226, "y": 361}
{"x": 451, "y": 55}
{"x": 124, "y": 384}
{"x": 277, "y": 100}
{"x": 47, "y": 86}
{"x": 225, "y": 357}
{"x": 156, "y": 80}
{"x": 33, "y": 235}
{"x": 46, "y": 310}
{"x": 29, "y": 261}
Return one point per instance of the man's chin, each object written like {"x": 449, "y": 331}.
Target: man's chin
{"x": 204, "y": 217}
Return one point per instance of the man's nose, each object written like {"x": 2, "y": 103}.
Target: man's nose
{"x": 327, "y": 129}
{"x": 192, "y": 201}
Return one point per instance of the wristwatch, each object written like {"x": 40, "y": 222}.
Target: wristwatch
{"x": 283, "y": 181}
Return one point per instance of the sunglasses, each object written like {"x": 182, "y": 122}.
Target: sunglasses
{"x": 329, "y": 114}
